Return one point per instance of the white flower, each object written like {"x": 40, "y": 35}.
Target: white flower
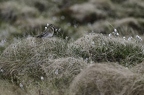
{"x": 124, "y": 37}
{"x": 42, "y": 78}
{"x": 115, "y": 30}
{"x": 66, "y": 37}
{"x": 117, "y": 34}
{"x": 2, "y": 42}
{"x": 110, "y": 34}
{"x": 103, "y": 43}
{"x": 21, "y": 85}
{"x": 56, "y": 72}
{"x": 1, "y": 70}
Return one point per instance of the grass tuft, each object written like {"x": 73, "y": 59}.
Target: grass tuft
{"x": 100, "y": 48}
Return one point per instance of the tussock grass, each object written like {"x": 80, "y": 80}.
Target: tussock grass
{"x": 55, "y": 66}
{"x": 100, "y": 48}
{"x": 53, "y": 63}
{"x": 31, "y": 58}
{"x": 60, "y": 72}
{"x": 59, "y": 75}
{"x": 105, "y": 79}
{"x": 26, "y": 56}
{"x": 27, "y": 61}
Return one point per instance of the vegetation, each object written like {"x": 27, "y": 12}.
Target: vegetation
{"x": 99, "y": 51}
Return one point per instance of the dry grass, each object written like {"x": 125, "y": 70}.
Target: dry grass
{"x": 61, "y": 71}
{"x": 100, "y": 48}
{"x": 139, "y": 68}
{"x": 28, "y": 60}
{"x": 52, "y": 63}
{"x": 26, "y": 56}
{"x": 105, "y": 79}
{"x": 6, "y": 88}
{"x": 58, "y": 65}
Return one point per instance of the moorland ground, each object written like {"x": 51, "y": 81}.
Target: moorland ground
{"x": 100, "y": 51}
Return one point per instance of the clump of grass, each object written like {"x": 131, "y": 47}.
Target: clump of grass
{"x": 115, "y": 51}
{"x": 33, "y": 61}
{"x": 24, "y": 58}
{"x": 101, "y": 48}
{"x": 60, "y": 72}
{"x": 51, "y": 63}
{"x": 103, "y": 79}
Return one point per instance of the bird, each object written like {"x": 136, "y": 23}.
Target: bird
{"x": 49, "y": 31}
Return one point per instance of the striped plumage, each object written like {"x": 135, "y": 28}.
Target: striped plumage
{"x": 49, "y": 31}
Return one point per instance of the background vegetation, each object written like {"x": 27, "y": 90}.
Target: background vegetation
{"x": 100, "y": 51}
